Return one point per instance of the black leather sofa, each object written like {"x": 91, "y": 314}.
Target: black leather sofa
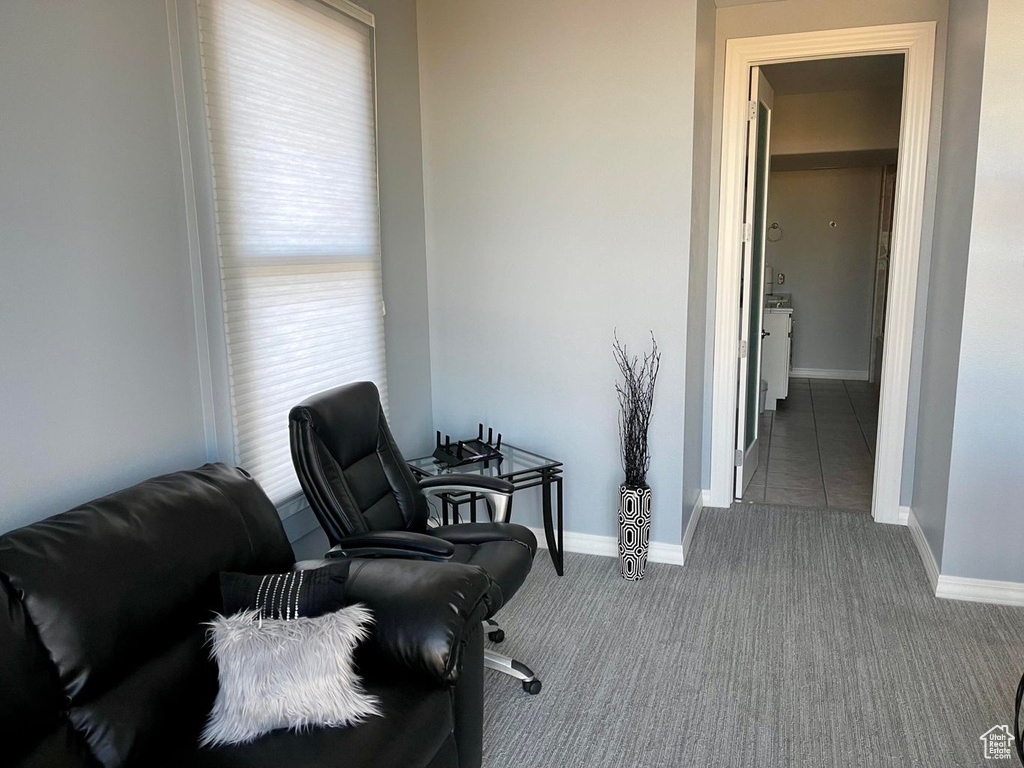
{"x": 103, "y": 656}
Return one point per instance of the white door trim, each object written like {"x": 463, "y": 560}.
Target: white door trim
{"x": 917, "y": 42}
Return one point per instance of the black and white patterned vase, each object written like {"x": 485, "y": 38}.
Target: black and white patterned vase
{"x": 634, "y": 530}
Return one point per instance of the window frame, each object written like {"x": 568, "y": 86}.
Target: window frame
{"x": 201, "y": 224}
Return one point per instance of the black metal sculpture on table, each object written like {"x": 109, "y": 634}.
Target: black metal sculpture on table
{"x": 468, "y": 451}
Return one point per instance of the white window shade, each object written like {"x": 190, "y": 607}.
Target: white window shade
{"x": 289, "y": 96}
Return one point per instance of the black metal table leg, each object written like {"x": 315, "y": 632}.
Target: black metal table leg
{"x": 561, "y": 549}
{"x": 549, "y": 534}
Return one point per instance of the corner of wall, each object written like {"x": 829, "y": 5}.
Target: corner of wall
{"x": 947, "y": 277}
{"x": 402, "y": 223}
{"x": 696, "y": 446}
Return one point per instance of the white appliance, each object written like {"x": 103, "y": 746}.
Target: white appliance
{"x": 777, "y": 347}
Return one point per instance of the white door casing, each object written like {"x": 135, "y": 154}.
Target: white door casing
{"x": 917, "y": 42}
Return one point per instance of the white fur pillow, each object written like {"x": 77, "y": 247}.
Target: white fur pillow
{"x": 287, "y": 674}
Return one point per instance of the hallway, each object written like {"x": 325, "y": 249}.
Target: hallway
{"x": 817, "y": 449}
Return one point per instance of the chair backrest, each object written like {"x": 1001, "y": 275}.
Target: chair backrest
{"x": 349, "y": 466}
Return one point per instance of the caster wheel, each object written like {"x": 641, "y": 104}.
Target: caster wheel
{"x": 532, "y": 687}
{"x": 496, "y": 636}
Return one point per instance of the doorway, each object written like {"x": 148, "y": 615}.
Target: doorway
{"x": 735, "y": 282}
{"x": 821, "y": 276}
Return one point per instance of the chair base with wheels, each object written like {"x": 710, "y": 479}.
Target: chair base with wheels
{"x": 506, "y": 664}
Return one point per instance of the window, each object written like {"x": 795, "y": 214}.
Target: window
{"x": 289, "y": 94}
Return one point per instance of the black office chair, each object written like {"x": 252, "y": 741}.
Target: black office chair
{"x": 370, "y": 505}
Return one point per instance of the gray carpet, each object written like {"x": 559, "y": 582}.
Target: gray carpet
{"x": 791, "y": 638}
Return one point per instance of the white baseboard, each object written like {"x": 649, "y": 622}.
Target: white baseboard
{"x": 980, "y": 590}
{"x": 930, "y": 566}
{"x": 665, "y": 553}
{"x": 960, "y": 587}
{"x": 583, "y": 543}
{"x": 608, "y": 546}
{"x": 904, "y": 515}
{"x": 827, "y": 373}
{"x": 691, "y": 527}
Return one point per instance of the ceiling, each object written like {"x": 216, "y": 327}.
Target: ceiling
{"x": 849, "y": 74}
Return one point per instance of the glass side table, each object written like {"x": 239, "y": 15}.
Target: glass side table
{"x": 524, "y": 469}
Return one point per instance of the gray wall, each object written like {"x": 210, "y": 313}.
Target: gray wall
{"x": 958, "y": 156}
{"x": 557, "y": 155}
{"x": 984, "y": 537}
{"x": 403, "y": 247}
{"x": 99, "y": 384}
{"x": 697, "y": 300}
{"x": 786, "y": 16}
{"x": 829, "y": 271}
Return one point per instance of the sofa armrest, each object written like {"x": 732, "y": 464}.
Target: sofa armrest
{"x": 425, "y": 612}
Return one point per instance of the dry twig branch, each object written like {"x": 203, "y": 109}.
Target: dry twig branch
{"x": 636, "y": 402}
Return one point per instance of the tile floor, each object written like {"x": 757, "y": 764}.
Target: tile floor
{"x": 817, "y": 448}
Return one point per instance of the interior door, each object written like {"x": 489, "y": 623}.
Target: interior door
{"x": 885, "y": 217}
{"x": 759, "y": 119}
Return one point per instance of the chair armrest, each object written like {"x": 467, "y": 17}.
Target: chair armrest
{"x": 393, "y": 544}
{"x": 469, "y": 482}
{"x": 497, "y": 492}
{"x": 425, "y": 613}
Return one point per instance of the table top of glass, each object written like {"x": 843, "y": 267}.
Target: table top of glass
{"x": 514, "y": 461}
